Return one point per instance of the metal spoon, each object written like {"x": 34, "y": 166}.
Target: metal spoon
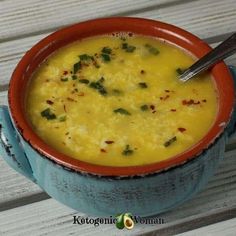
{"x": 223, "y": 50}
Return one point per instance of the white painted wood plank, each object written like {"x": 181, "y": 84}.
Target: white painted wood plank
{"x": 27, "y": 17}
{"x": 3, "y": 98}
{"x": 203, "y": 17}
{"x": 224, "y": 228}
{"x": 49, "y": 217}
{"x": 16, "y": 190}
{"x": 11, "y": 52}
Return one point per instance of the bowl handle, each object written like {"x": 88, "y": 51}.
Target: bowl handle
{"x": 10, "y": 146}
{"x": 231, "y": 129}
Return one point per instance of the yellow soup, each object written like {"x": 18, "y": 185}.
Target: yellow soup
{"x": 117, "y": 101}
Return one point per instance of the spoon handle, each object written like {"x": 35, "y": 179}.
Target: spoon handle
{"x": 223, "y": 50}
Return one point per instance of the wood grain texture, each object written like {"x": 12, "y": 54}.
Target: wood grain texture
{"x": 22, "y": 24}
{"x": 25, "y": 17}
{"x": 16, "y": 190}
{"x": 216, "y": 203}
{"x": 226, "y": 228}
{"x": 34, "y": 17}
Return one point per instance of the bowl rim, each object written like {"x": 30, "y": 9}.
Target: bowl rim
{"x": 176, "y": 35}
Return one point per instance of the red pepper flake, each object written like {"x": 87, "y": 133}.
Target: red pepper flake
{"x": 204, "y": 100}
{"x": 152, "y": 107}
{"x": 142, "y": 72}
{"x": 190, "y": 102}
{"x": 81, "y": 94}
{"x": 173, "y": 110}
{"x": 109, "y": 142}
{"x": 103, "y": 150}
{"x": 181, "y": 129}
{"x": 49, "y": 102}
{"x": 65, "y": 72}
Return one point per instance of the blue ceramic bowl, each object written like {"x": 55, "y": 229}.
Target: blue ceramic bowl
{"x": 98, "y": 190}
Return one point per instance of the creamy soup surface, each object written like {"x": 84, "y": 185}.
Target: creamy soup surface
{"x": 117, "y": 101}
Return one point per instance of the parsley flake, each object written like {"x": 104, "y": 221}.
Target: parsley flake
{"x": 84, "y": 81}
{"x": 127, "y": 151}
{"x": 127, "y": 47}
{"x": 105, "y": 57}
{"x": 106, "y": 50}
{"x": 122, "y": 111}
{"x": 152, "y": 49}
{"x": 64, "y": 79}
{"x": 48, "y": 114}
{"x": 144, "y": 107}
{"x": 85, "y": 57}
{"x": 142, "y": 85}
{"x": 77, "y": 67}
{"x": 170, "y": 141}
{"x": 98, "y": 86}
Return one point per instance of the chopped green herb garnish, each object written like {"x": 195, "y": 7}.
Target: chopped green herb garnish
{"x": 99, "y": 87}
{"x": 152, "y": 49}
{"x": 85, "y": 57}
{"x": 180, "y": 71}
{"x": 124, "y": 45}
{"x": 62, "y": 118}
{"x": 122, "y": 38}
{"x": 106, "y": 50}
{"x": 84, "y": 81}
{"x": 128, "y": 48}
{"x": 122, "y": 111}
{"x": 77, "y": 66}
{"x": 105, "y": 57}
{"x": 144, "y": 107}
{"x": 101, "y": 80}
{"x": 117, "y": 91}
{"x": 142, "y": 85}
{"x": 74, "y": 77}
{"x": 170, "y": 141}
{"x": 48, "y": 114}
{"x": 127, "y": 151}
{"x": 64, "y": 79}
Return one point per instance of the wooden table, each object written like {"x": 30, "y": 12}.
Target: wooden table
{"x": 25, "y": 208}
